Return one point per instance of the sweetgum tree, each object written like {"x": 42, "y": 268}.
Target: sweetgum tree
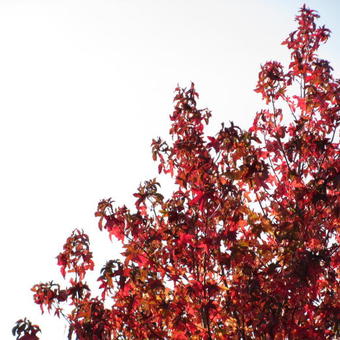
{"x": 247, "y": 245}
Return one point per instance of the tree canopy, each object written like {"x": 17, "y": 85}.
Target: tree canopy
{"x": 246, "y": 247}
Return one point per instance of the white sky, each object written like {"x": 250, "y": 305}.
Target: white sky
{"x": 85, "y": 86}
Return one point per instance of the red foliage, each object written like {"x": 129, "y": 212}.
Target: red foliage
{"x": 247, "y": 245}
{"x": 24, "y": 330}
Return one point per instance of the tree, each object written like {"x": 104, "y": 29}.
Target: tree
{"x": 247, "y": 245}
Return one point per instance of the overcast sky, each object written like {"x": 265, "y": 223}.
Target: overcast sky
{"x": 86, "y": 85}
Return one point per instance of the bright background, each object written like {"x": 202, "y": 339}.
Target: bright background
{"x": 85, "y": 86}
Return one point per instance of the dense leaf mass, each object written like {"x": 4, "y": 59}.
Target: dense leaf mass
{"x": 247, "y": 246}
